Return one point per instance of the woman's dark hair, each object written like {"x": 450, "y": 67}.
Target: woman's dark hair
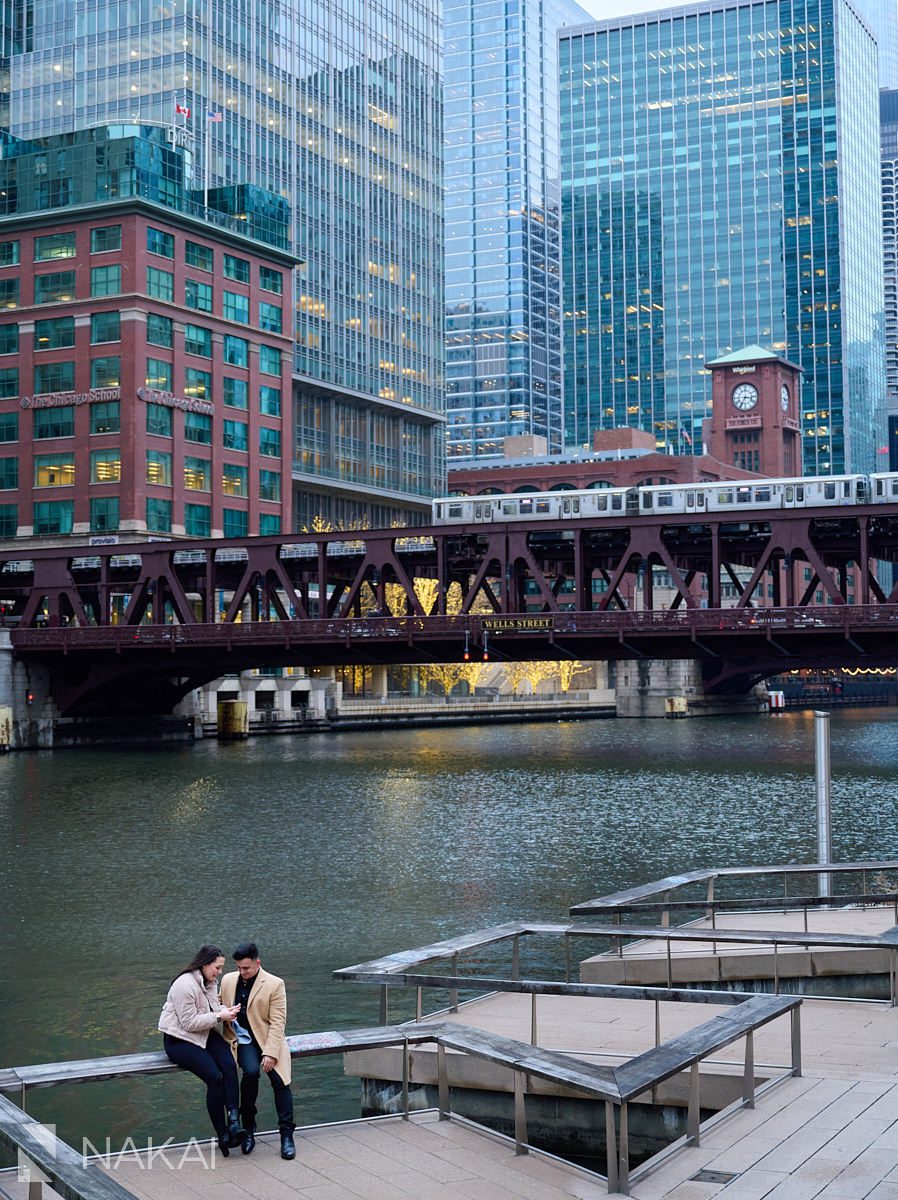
{"x": 202, "y": 958}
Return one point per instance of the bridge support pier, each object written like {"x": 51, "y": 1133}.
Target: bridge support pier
{"x": 25, "y": 689}
{"x": 644, "y": 686}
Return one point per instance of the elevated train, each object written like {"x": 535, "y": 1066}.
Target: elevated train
{"x": 724, "y": 496}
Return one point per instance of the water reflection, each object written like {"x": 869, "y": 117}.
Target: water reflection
{"x": 329, "y": 850}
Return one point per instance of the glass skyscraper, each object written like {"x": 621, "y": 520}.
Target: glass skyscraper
{"x": 720, "y": 187}
{"x": 336, "y": 107}
{"x": 503, "y": 326}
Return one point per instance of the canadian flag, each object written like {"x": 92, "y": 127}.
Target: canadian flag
{"x": 182, "y": 110}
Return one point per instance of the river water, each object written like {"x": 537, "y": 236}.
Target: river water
{"x": 333, "y": 849}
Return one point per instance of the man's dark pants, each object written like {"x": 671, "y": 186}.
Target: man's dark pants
{"x": 249, "y": 1056}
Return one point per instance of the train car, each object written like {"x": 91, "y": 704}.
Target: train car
{"x": 884, "y": 487}
{"x": 529, "y": 506}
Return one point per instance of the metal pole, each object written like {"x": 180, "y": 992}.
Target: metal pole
{"x": 824, "y": 801}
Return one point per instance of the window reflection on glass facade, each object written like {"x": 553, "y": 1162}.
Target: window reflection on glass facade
{"x": 337, "y": 106}
{"x": 503, "y": 326}
{"x": 720, "y": 188}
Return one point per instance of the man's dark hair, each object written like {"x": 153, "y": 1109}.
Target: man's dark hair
{"x": 245, "y": 950}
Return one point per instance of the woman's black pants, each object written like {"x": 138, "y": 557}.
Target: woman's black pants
{"x": 215, "y": 1066}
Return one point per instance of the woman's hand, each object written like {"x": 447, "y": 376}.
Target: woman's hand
{"x": 228, "y": 1014}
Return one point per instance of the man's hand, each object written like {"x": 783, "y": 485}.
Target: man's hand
{"x": 268, "y": 1063}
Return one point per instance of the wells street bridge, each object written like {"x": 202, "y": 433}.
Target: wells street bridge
{"x": 133, "y": 628}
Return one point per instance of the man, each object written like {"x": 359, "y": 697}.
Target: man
{"x": 257, "y": 1037}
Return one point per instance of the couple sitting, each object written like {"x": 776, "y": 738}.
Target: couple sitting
{"x": 252, "y": 1009}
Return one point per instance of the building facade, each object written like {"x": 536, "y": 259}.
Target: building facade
{"x": 503, "y": 302}
{"x": 145, "y": 371}
{"x": 719, "y": 188}
{"x": 337, "y": 109}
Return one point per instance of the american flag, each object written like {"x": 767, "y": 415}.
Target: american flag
{"x": 214, "y": 116}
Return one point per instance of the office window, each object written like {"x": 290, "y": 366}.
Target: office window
{"x": 160, "y": 284}
{"x": 198, "y": 520}
{"x": 235, "y": 435}
{"x": 106, "y": 372}
{"x": 9, "y": 254}
{"x": 198, "y": 340}
{"x": 105, "y": 281}
{"x": 9, "y": 293}
{"x": 104, "y": 513}
{"x": 54, "y": 288}
{"x": 159, "y": 420}
{"x": 236, "y": 268}
{"x": 9, "y": 339}
{"x": 270, "y": 485}
{"x": 198, "y": 428}
{"x": 270, "y": 442}
{"x": 53, "y": 422}
{"x": 198, "y": 295}
{"x": 159, "y": 374}
{"x": 105, "y": 327}
{"x": 54, "y": 470}
{"x": 236, "y": 392}
{"x": 235, "y": 307}
{"x": 159, "y": 467}
{"x": 197, "y": 384}
{"x": 159, "y": 242}
{"x": 9, "y": 427}
{"x": 53, "y": 516}
{"x": 196, "y": 255}
{"x": 236, "y": 351}
{"x": 269, "y": 360}
{"x": 271, "y": 281}
{"x": 235, "y": 522}
{"x": 269, "y": 317}
{"x": 158, "y": 515}
{"x": 54, "y": 245}
{"x": 104, "y": 238}
{"x": 9, "y": 474}
{"x": 270, "y": 401}
{"x": 105, "y": 417}
{"x": 56, "y": 334}
{"x": 105, "y": 465}
{"x": 234, "y": 480}
{"x": 159, "y": 330}
{"x": 9, "y": 520}
{"x": 9, "y": 383}
{"x": 197, "y": 474}
{"x": 269, "y": 524}
{"x": 54, "y": 377}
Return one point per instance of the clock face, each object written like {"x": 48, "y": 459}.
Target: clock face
{"x": 745, "y": 397}
{"x": 784, "y": 398}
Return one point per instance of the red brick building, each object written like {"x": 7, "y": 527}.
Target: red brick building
{"x": 145, "y": 373}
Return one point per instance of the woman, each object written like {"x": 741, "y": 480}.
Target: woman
{"x": 187, "y": 1022}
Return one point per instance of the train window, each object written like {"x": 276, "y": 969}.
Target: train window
{"x": 454, "y": 511}
{"x": 543, "y": 506}
{"x": 617, "y": 502}
{"x": 478, "y": 512}
{"x": 743, "y": 495}
{"x": 566, "y": 507}
{"x": 602, "y": 504}
{"x": 799, "y": 494}
{"x": 526, "y": 506}
{"x": 879, "y": 487}
{"x": 665, "y": 499}
{"x": 829, "y": 491}
{"x": 762, "y": 495}
{"x": 895, "y": 487}
{"x": 690, "y": 499}
{"x": 790, "y": 493}
{"x": 725, "y": 497}
{"x": 509, "y": 508}
{"x": 576, "y": 504}
{"x": 700, "y": 498}
{"x": 646, "y": 499}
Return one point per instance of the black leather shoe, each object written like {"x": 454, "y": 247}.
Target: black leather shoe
{"x": 288, "y": 1146}
{"x": 224, "y": 1144}
{"x": 249, "y": 1142}
{"x": 236, "y": 1132}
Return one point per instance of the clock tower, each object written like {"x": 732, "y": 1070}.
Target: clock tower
{"x": 755, "y": 421}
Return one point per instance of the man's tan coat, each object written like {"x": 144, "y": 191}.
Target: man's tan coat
{"x": 267, "y": 1013}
